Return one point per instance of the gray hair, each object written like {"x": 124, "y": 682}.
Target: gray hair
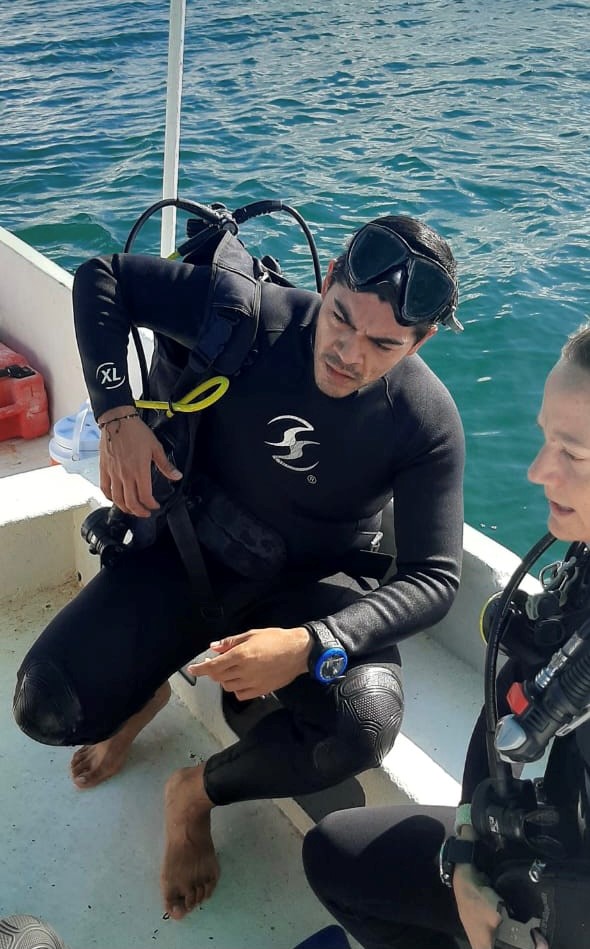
{"x": 577, "y": 348}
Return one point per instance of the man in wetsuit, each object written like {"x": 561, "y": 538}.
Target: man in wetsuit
{"x": 332, "y": 416}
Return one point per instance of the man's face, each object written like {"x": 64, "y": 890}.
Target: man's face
{"x": 357, "y": 340}
{"x": 562, "y": 465}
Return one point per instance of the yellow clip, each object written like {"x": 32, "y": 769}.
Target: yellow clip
{"x": 487, "y": 615}
{"x": 188, "y": 402}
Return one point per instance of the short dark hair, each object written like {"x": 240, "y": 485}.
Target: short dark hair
{"x": 577, "y": 347}
{"x": 421, "y": 238}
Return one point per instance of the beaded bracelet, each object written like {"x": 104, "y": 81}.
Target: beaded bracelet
{"x": 118, "y": 418}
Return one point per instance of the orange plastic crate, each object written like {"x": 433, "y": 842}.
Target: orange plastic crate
{"x": 23, "y": 399}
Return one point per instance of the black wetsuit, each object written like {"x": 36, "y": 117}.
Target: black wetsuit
{"x": 316, "y": 469}
{"x": 376, "y": 869}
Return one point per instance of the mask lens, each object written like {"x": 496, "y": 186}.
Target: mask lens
{"x": 428, "y": 290}
{"x": 374, "y": 251}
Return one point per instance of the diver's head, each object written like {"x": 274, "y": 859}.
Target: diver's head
{"x": 407, "y": 264}
{"x": 381, "y": 300}
{"x": 562, "y": 465}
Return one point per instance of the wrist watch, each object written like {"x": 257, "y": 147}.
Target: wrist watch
{"x": 452, "y": 852}
{"x": 327, "y": 659}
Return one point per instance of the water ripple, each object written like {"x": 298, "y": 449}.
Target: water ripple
{"x": 471, "y": 115}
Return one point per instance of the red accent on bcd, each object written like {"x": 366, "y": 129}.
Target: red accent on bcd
{"x": 517, "y": 699}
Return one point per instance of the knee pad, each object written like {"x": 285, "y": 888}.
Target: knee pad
{"x": 371, "y": 701}
{"x": 28, "y": 931}
{"x": 45, "y": 706}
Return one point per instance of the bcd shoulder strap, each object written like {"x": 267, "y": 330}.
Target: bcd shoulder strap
{"x": 228, "y": 333}
{"x": 231, "y": 315}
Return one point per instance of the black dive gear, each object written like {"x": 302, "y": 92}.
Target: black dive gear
{"x": 426, "y": 293}
{"x": 531, "y": 835}
{"x": 46, "y": 706}
{"x": 553, "y": 702}
{"x": 504, "y": 808}
{"x": 551, "y": 630}
{"x": 204, "y": 232}
{"x": 227, "y": 337}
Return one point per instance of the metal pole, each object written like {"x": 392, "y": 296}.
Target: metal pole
{"x": 172, "y": 135}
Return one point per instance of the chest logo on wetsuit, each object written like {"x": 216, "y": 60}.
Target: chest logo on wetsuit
{"x": 108, "y": 376}
{"x": 292, "y": 456}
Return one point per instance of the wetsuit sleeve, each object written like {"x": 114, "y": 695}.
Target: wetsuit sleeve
{"x": 111, "y": 295}
{"x": 428, "y": 516}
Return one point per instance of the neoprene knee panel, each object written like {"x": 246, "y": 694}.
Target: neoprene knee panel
{"x": 45, "y": 707}
{"x": 371, "y": 703}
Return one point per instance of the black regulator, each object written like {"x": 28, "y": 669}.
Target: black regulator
{"x": 552, "y": 702}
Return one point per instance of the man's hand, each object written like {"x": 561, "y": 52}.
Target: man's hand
{"x": 127, "y": 449}
{"x": 477, "y": 903}
{"x": 257, "y": 662}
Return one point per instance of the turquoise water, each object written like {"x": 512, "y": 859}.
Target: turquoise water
{"x": 472, "y": 115}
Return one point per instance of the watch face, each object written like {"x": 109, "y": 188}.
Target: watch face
{"x": 330, "y": 664}
{"x": 333, "y": 667}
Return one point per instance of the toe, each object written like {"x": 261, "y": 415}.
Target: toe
{"x": 177, "y": 910}
{"x": 191, "y": 898}
{"x": 81, "y": 752}
{"x": 200, "y": 894}
{"x": 81, "y": 761}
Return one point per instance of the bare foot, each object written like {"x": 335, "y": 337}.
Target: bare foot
{"x": 190, "y": 870}
{"x": 93, "y": 764}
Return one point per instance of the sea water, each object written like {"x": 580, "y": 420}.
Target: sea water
{"x": 470, "y": 114}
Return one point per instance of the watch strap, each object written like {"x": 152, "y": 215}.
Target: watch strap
{"x": 460, "y": 851}
{"x": 455, "y": 851}
{"x": 321, "y": 640}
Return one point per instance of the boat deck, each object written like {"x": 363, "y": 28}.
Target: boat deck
{"x": 18, "y": 455}
{"x": 88, "y": 862}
